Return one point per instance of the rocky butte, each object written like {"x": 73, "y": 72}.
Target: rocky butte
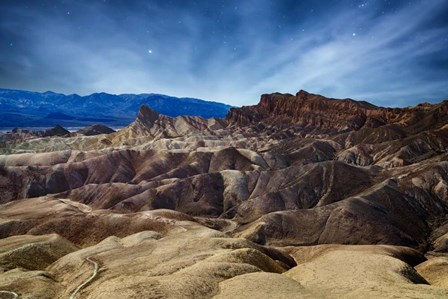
{"x": 300, "y": 196}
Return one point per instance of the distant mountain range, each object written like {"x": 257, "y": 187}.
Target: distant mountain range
{"x": 19, "y": 108}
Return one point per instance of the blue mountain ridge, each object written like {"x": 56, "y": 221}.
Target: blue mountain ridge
{"x": 20, "y": 108}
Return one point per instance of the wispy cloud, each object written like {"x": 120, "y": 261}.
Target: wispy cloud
{"x": 230, "y": 51}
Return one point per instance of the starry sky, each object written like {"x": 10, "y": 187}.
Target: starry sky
{"x": 391, "y": 53}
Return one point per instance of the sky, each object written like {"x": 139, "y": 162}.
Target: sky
{"x": 391, "y": 53}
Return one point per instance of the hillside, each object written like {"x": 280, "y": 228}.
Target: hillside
{"x": 299, "y": 196}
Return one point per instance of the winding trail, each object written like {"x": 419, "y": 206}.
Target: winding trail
{"x": 88, "y": 280}
{"x": 13, "y": 294}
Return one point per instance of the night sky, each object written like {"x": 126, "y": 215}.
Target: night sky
{"x": 392, "y": 53}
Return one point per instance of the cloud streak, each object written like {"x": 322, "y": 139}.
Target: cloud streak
{"x": 229, "y": 51}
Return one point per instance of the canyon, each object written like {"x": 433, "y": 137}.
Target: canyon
{"x": 299, "y": 196}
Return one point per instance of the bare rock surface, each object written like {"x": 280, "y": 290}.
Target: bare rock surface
{"x": 435, "y": 271}
{"x": 33, "y": 252}
{"x": 95, "y": 130}
{"x": 353, "y": 274}
{"x": 320, "y": 197}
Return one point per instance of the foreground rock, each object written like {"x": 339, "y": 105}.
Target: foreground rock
{"x": 353, "y": 274}
{"x": 190, "y": 261}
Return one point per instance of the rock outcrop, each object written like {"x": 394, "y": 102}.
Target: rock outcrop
{"x": 95, "y": 130}
{"x": 317, "y": 114}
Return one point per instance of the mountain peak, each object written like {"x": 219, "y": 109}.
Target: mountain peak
{"x": 302, "y": 92}
{"x": 146, "y": 115}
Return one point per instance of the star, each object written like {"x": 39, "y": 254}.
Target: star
{"x": 354, "y": 34}
{"x": 68, "y": 13}
{"x": 150, "y": 51}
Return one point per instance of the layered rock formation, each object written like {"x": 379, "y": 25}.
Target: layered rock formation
{"x": 95, "y": 130}
{"x": 19, "y": 135}
{"x": 236, "y": 202}
{"x": 310, "y": 112}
